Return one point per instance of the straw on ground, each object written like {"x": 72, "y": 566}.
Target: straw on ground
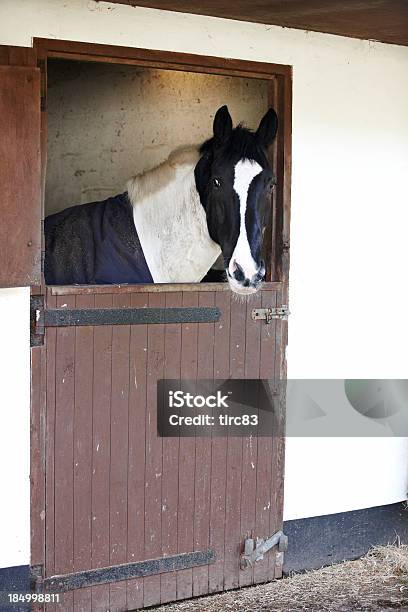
{"x": 378, "y": 581}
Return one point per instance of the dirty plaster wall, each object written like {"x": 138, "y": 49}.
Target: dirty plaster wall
{"x": 109, "y": 122}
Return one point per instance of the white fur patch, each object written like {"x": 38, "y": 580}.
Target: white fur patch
{"x": 245, "y": 172}
{"x": 171, "y": 222}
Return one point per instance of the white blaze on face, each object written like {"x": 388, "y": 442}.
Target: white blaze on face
{"x": 245, "y": 172}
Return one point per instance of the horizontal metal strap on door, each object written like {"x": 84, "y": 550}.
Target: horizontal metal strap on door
{"x": 125, "y": 571}
{"x": 128, "y": 316}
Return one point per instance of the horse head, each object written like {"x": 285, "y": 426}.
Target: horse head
{"x": 234, "y": 180}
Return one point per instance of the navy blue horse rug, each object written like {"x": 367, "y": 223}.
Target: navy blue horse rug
{"x": 94, "y": 244}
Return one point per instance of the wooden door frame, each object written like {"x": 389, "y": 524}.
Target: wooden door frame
{"x": 279, "y": 77}
{"x": 280, "y": 96}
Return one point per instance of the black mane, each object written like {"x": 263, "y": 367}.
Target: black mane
{"x": 242, "y": 144}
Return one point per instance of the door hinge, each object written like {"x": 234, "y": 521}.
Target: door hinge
{"x": 268, "y": 314}
{"x": 254, "y": 550}
{"x": 62, "y": 583}
{"x": 37, "y": 327}
{"x": 41, "y": 317}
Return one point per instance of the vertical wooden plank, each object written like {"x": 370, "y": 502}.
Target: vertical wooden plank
{"x": 219, "y": 448}
{"x": 136, "y": 467}
{"x": 233, "y": 537}
{"x": 283, "y": 98}
{"x": 250, "y": 443}
{"x": 264, "y": 570}
{"x": 170, "y": 479}
{"x": 271, "y": 244}
{"x": 187, "y": 455}
{"x": 119, "y": 452}
{"x": 277, "y": 477}
{"x": 50, "y": 347}
{"x": 37, "y": 459}
{"x": 84, "y": 353}
{"x": 37, "y": 455}
{"x": 202, "y": 480}
{"x": 101, "y": 451}
{"x": 64, "y": 449}
{"x": 153, "y": 473}
{"x": 42, "y": 64}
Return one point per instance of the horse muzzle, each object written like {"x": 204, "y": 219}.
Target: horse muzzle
{"x": 240, "y": 283}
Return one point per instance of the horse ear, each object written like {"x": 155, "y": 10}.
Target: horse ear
{"x": 267, "y": 129}
{"x": 222, "y": 125}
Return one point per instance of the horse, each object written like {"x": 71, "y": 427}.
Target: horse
{"x": 204, "y": 204}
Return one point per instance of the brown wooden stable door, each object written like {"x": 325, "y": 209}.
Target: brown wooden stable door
{"x": 116, "y": 493}
{"x": 110, "y": 500}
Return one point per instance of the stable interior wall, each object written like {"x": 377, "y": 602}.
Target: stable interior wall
{"x": 348, "y": 293}
{"x": 108, "y": 122}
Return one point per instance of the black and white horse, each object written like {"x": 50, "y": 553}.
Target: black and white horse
{"x": 202, "y": 204}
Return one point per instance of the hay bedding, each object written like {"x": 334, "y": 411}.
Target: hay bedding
{"x": 378, "y": 581}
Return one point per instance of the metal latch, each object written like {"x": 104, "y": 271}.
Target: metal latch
{"x": 268, "y": 314}
{"x": 254, "y": 550}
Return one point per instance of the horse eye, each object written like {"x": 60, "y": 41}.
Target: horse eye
{"x": 217, "y": 182}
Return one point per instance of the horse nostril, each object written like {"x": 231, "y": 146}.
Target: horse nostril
{"x": 238, "y": 272}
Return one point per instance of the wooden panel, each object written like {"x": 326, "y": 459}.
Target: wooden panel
{"x": 233, "y": 538}
{"x": 170, "y": 485}
{"x": 266, "y": 449}
{"x": 64, "y": 450}
{"x": 117, "y": 493}
{"x": 137, "y": 451}
{"x": 219, "y": 449}
{"x": 202, "y": 478}
{"x": 118, "y": 503}
{"x": 51, "y": 343}
{"x": 37, "y": 454}
{"x": 283, "y": 157}
{"x": 159, "y": 288}
{"x": 101, "y": 451}
{"x": 250, "y": 444}
{"x": 84, "y": 353}
{"x": 278, "y": 467}
{"x": 20, "y": 176}
{"x": 188, "y": 370}
{"x": 385, "y": 20}
{"x": 156, "y": 59}
{"x": 154, "y": 467}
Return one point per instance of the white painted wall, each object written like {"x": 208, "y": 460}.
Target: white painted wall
{"x": 14, "y": 427}
{"x": 349, "y": 295}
